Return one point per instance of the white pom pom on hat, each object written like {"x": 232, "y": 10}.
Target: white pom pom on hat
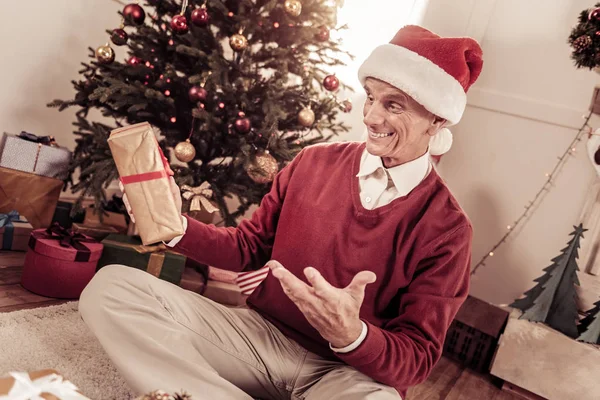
{"x": 441, "y": 142}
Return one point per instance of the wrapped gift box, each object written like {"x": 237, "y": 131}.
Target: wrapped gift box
{"x": 14, "y": 232}
{"x": 193, "y": 280}
{"x": 156, "y": 260}
{"x": 59, "y": 262}
{"x": 116, "y": 220}
{"x": 62, "y": 214}
{"x": 46, "y": 384}
{"x": 39, "y": 155}
{"x": 222, "y": 275}
{"x": 97, "y": 231}
{"x": 33, "y": 196}
{"x": 144, "y": 171}
{"x": 225, "y": 293}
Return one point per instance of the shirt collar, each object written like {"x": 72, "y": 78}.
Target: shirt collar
{"x": 405, "y": 176}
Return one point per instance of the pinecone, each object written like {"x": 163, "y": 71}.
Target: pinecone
{"x": 582, "y": 42}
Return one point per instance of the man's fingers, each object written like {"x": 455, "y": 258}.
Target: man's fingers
{"x": 320, "y": 284}
{"x": 293, "y": 286}
{"x": 361, "y": 280}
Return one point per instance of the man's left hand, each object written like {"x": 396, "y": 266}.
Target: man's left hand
{"x": 332, "y": 311}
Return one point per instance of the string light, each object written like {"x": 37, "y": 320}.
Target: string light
{"x": 585, "y": 129}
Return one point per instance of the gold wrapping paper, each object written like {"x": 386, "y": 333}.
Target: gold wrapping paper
{"x": 33, "y": 196}
{"x": 135, "y": 151}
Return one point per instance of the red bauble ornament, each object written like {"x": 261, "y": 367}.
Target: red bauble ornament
{"x": 323, "y": 34}
{"x": 197, "y": 93}
{"x": 133, "y": 13}
{"x": 242, "y": 124}
{"x": 133, "y": 60}
{"x": 331, "y": 83}
{"x": 594, "y": 15}
{"x": 200, "y": 16}
{"x": 119, "y": 37}
{"x": 179, "y": 24}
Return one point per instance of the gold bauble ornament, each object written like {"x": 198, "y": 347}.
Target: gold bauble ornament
{"x": 306, "y": 117}
{"x": 238, "y": 42}
{"x": 185, "y": 151}
{"x": 105, "y": 54}
{"x": 263, "y": 169}
{"x": 292, "y": 7}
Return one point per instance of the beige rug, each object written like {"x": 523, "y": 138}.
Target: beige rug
{"x": 56, "y": 337}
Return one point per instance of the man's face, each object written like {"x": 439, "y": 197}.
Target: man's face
{"x": 399, "y": 127}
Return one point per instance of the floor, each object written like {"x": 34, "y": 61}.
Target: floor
{"x": 448, "y": 380}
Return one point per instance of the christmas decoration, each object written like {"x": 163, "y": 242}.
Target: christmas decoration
{"x": 582, "y": 43}
{"x": 238, "y": 42}
{"x": 162, "y": 395}
{"x": 179, "y": 24}
{"x": 171, "y": 80}
{"x": 185, "y": 151}
{"x": 105, "y": 54}
{"x": 133, "y": 60}
{"x": 200, "y": 197}
{"x": 200, "y": 16}
{"x": 263, "y": 168}
{"x": 589, "y": 327}
{"x": 347, "y": 105}
{"x": 538, "y": 196}
{"x": 323, "y": 34}
{"x": 553, "y": 299}
{"x": 293, "y": 7}
{"x": 594, "y": 15}
{"x": 197, "y": 93}
{"x": 242, "y": 124}
{"x": 119, "y": 37}
{"x": 331, "y": 83}
{"x": 585, "y": 40}
{"x": 306, "y": 117}
{"x": 134, "y": 14}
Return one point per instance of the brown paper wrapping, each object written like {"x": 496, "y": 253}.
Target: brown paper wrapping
{"x": 33, "y": 196}
{"x": 135, "y": 151}
{"x": 113, "y": 219}
{"x": 224, "y": 293}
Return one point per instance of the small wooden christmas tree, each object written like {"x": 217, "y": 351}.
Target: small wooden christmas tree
{"x": 589, "y": 328}
{"x": 552, "y": 300}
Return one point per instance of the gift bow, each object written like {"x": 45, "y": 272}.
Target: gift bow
{"x": 26, "y": 389}
{"x": 8, "y": 219}
{"x": 199, "y": 195}
{"x": 47, "y": 140}
{"x": 67, "y": 237}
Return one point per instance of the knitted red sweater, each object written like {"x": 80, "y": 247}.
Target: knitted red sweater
{"x": 419, "y": 246}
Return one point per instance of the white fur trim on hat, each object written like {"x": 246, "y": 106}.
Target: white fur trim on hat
{"x": 423, "y": 80}
{"x": 441, "y": 142}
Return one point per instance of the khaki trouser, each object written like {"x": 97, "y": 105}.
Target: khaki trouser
{"x": 163, "y": 337}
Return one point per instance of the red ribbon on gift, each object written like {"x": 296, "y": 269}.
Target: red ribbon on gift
{"x": 148, "y": 176}
{"x": 67, "y": 238}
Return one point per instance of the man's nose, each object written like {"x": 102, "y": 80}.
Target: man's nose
{"x": 374, "y": 116}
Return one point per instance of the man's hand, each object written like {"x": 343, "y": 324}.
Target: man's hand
{"x": 332, "y": 311}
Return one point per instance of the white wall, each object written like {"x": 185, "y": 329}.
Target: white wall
{"x": 522, "y": 113}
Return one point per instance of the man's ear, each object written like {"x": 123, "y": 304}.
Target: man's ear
{"x": 437, "y": 124}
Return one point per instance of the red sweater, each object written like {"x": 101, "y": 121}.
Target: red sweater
{"x": 419, "y": 246}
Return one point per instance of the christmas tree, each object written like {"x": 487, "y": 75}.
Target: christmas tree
{"x": 236, "y": 87}
{"x": 552, "y": 300}
{"x": 589, "y": 327}
{"x": 585, "y": 39}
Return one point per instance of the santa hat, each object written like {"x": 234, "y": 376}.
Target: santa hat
{"x": 437, "y": 72}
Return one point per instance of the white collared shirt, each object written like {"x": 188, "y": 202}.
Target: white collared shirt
{"x": 380, "y": 185}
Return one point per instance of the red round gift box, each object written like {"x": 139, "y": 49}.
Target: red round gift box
{"x": 53, "y": 270}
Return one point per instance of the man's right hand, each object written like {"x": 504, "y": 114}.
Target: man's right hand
{"x": 175, "y": 191}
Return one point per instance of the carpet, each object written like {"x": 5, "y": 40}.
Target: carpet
{"x": 56, "y": 337}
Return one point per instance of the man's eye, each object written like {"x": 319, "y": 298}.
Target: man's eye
{"x": 395, "y": 107}
{"x": 370, "y": 98}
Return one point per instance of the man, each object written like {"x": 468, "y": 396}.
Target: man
{"x": 372, "y": 258}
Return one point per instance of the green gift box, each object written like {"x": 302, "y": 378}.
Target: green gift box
{"x": 156, "y": 260}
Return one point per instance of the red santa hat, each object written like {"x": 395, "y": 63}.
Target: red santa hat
{"x": 437, "y": 72}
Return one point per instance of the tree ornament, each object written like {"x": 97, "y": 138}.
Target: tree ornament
{"x": 323, "y": 34}
{"x": 331, "y": 83}
{"x": 293, "y": 7}
{"x": 347, "y": 105}
{"x": 263, "y": 168}
{"x": 185, "y": 151}
{"x": 238, "y": 42}
{"x": 200, "y": 16}
{"x": 582, "y": 43}
{"x": 179, "y": 24}
{"x": 133, "y": 60}
{"x": 119, "y": 37}
{"x": 242, "y": 124}
{"x": 594, "y": 15}
{"x": 197, "y": 93}
{"x": 105, "y": 54}
{"x": 306, "y": 117}
{"x": 134, "y": 14}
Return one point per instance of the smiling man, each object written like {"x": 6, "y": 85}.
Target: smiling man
{"x": 368, "y": 249}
